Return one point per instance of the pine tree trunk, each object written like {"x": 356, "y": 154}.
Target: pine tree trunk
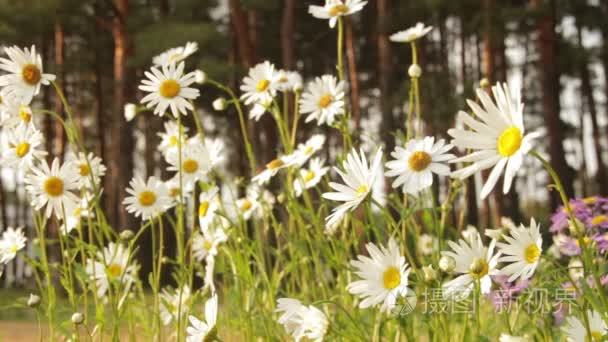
{"x": 352, "y": 75}
{"x": 59, "y": 134}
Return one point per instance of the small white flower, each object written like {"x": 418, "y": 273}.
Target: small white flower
{"x": 220, "y": 104}
{"x": 195, "y": 163}
{"x": 25, "y": 74}
{"x": 260, "y": 85}
{"x": 130, "y": 111}
{"x": 204, "y": 331}
{"x": 205, "y": 245}
{"x": 309, "y": 178}
{"x": 411, "y": 34}
{"x": 522, "y": 249}
{"x": 289, "y": 81}
{"x": 307, "y": 149}
{"x": 358, "y": 177}
{"x": 250, "y": 205}
{"x": 13, "y": 240}
{"x": 475, "y": 262}
{"x": 170, "y": 300}
{"x": 175, "y": 55}
{"x": 301, "y": 321}
{"x": 169, "y": 89}
{"x": 53, "y": 186}
{"x": 273, "y": 167}
{"x": 15, "y": 113}
{"x": 334, "y": 9}
{"x": 576, "y": 269}
{"x": 414, "y": 166}
{"x": 23, "y": 148}
{"x": 89, "y": 169}
{"x": 74, "y": 216}
{"x": 498, "y": 137}
{"x": 427, "y": 244}
{"x": 259, "y": 109}
{"x": 576, "y": 331}
{"x": 111, "y": 266}
{"x": 147, "y": 199}
{"x": 384, "y": 276}
{"x": 323, "y": 100}
{"x": 208, "y": 204}
{"x": 170, "y": 138}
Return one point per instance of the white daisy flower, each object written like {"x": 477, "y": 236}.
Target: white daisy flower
{"x": 499, "y": 137}
{"x": 205, "y": 245}
{"x": 301, "y": 321}
{"x": 169, "y": 139}
{"x": 250, "y": 205}
{"x": 289, "y": 81}
{"x": 13, "y": 240}
{"x": 147, "y": 199}
{"x": 522, "y": 250}
{"x": 170, "y": 300}
{"x": 475, "y": 262}
{"x": 411, "y": 34}
{"x": 90, "y": 171}
{"x": 215, "y": 150}
{"x": 576, "y": 332}
{"x": 74, "y": 217}
{"x": 25, "y": 74}
{"x": 415, "y": 164}
{"x": 169, "y": 89}
{"x": 310, "y": 177}
{"x": 208, "y": 204}
{"x": 15, "y": 113}
{"x": 53, "y": 186}
{"x": 307, "y": 149}
{"x": 260, "y": 85}
{"x": 24, "y": 147}
{"x": 384, "y": 276}
{"x": 427, "y": 244}
{"x": 175, "y": 55}
{"x": 173, "y": 190}
{"x": 334, "y": 9}
{"x": 111, "y": 266}
{"x": 204, "y": 331}
{"x": 359, "y": 177}
{"x": 273, "y": 167}
{"x": 323, "y": 100}
{"x": 195, "y": 164}
{"x": 259, "y": 109}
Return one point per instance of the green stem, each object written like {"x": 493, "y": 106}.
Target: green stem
{"x": 340, "y": 66}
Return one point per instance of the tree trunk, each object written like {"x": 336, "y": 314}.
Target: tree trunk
{"x": 352, "y": 72}
{"x": 59, "y": 134}
{"x": 287, "y": 34}
{"x": 549, "y": 77}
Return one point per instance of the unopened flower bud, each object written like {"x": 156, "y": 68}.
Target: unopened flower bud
{"x": 484, "y": 83}
{"x": 33, "y": 301}
{"x": 430, "y": 274}
{"x": 164, "y": 260}
{"x": 200, "y": 77}
{"x": 447, "y": 264}
{"x": 130, "y": 111}
{"x": 220, "y": 104}
{"x": 576, "y": 228}
{"x": 77, "y": 318}
{"x": 126, "y": 235}
{"x": 414, "y": 71}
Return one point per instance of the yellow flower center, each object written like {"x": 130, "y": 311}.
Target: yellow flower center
{"x": 275, "y": 164}
{"x": 147, "y": 198}
{"x": 114, "y": 270}
{"x": 31, "y": 74}
{"x": 203, "y": 208}
{"x": 338, "y": 10}
{"x": 53, "y": 186}
{"x": 361, "y": 190}
{"x": 84, "y": 169}
{"x": 308, "y": 150}
{"x": 325, "y": 101}
{"x": 419, "y": 161}
{"x": 246, "y": 205}
{"x": 169, "y": 89}
{"x": 589, "y": 200}
{"x": 309, "y": 176}
{"x": 509, "y": 141}
{"x": 596, "y": 335}
{"x": 532, "y": 253}
{"x": 174, "y": 192}
{"x": 190, "y": 166}
{"x": 173, "y": 140}
{"x": 479, "y": 268}
{"x": 24, "y": 114}
{"x": 599, "y": 220}
{"x": 22, "y": 149}
{"x": 207, "y": 245}
{"x": 262, "y": 85}
{"x": 391, "y": 278}
{"x": 13, "y": 249}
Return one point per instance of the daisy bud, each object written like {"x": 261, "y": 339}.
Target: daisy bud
{"x": 77, "y": 318}
{"x": 447, "y": 264}
{"x": 484, "y": 83}
{"x": 33, "y": 301}
{"x": 414, "y": 71}
{"x": 130, "y": 111}
{"x": 220, "y": 104}
{"x": 429, "y": 273}
{"x": 200, "y": 77}
{"x": 576, "y": 228}
{"x": 575, "y": 268}
{"x": 126, "y": 235}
